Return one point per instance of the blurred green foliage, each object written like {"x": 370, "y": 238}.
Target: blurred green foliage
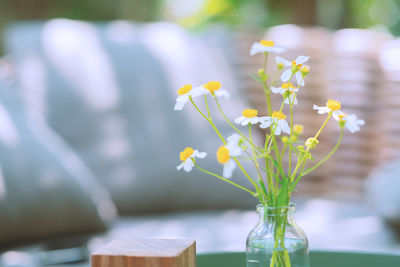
{"x": 331, "y": 14}
{"x": 256, "y": 14}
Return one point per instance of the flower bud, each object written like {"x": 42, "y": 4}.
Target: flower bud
{"x": 285, "y": 139}
{"x": 311, "y": 142}
{"x": 298, "y": 129}
{"x": 304, "y": 71}
{"x": 342, "y": 123}
{"x": 280, "y": 66}
{"x": 262, "y": 75}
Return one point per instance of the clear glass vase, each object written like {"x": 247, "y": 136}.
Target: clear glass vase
{"x": 276, "y": 240}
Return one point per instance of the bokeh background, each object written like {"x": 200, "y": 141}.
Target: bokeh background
{"x": 260, "y": 14}
{"x": 89, "y": 139}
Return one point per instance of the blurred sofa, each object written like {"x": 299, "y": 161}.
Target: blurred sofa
{"x": 93, "y": 103}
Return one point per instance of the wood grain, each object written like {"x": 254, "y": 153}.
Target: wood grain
{"x": 146, "y": 253}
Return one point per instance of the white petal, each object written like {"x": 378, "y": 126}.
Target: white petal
{"x": 294, "y": 101}
{"x": 352, "y": 127}
{"x": 277, "y": 129}
{"x": 254, "y": 120}
{"x": 284, "y": 126}
{"x": 188, "y": 165}
{"x": 180, "y": 166}
{"x": 285, "y": 62}
{"x": 233, "y": 145}
{"x": 229, "y": 167}
{"x": 256, "y": 48}
{"x": 353, "y": 123}
{"x": 265, "y": 122}
{"x": 321, "y": 110}
{"x": 301, "y": 59}
{"x": 336, "y": 114}
{"x": 276, "y": 90}
{"x": 234, "y": 138}
{"x": 200, "y": 155}
{"x": 291, "y": 99}
{"x": 179, "y": 105}
{"x": 197, "y": 91}
{"x": 181, "y": 101}
{"x": 286, "y": 75}
{"x": 234, "y": 151}
{"x": 278, "y": 49}
{"x": 245, "y": 122}
{"x": 222, "y": 93}
{"x": 239, "y": 120}
{"x": 299, "y": 79}
{"x": 287, "y": 101}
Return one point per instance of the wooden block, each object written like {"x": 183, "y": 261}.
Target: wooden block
{"x": 146, "y": 253}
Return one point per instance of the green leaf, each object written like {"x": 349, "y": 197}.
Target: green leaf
{"x": 257, "y": 79}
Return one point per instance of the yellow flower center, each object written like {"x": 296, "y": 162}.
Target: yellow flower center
{"x": 333, "y": 104}
{"x": 279, "y": 115}
{"x": 267, "y": 43}
{"x": 185, "y": 154}
{"x": 287, "y": 85}
{"x": 249, "y": 113}
{"x": 212, "y": 86}
{"x": 296, "y": 67}
{"x": 184, "y": 89}
{"x": 341, "y": 117}
{"x": 223, "y": 155}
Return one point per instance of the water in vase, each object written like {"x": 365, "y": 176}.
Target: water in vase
{"x": 259, "y": 253}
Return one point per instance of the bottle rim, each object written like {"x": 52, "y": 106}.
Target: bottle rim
{"x": 275, "y": 210}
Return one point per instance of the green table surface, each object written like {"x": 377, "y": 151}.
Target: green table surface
{"x": 317, "y": 258}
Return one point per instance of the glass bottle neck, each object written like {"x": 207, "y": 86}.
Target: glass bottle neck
{"x": 285, "y": 212}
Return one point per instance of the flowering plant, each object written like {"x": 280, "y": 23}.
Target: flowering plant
{"x": 274, "y": 183}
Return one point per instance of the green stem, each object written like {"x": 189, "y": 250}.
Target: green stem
{"x": 208, "y": 109}
{"x": 327, "y": 156}
{"x": 291, "y": 134}
{"x": 209, "y": 121}
{"x": 225, "y": 180}
{"x": 300, "y": 162}
{"x": 258, "y": 189}
{"x": 267, "y": 91}
{"x": 272, "y": 136}
{"x": 254, "y": 155}
{"x": 234, "y": 127}
{"x": 201, "y": 113}
{"x": 323, "y": 125}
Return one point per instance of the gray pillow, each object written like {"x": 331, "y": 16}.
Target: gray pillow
{"x": 109, "y": 90}
{"x": 45, "y": 190}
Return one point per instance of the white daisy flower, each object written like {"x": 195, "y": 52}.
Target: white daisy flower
{"x": 187, "y": 157}
{"x": 226, "y": 153}
{"x": 248, "y": 116}
{"x": 283, "y": 89}
{"x": 295, "y": 68}
{"x": 185, "y": 92}
{"x": 278, "y": 120}
{"x": 352, "y": 123}
{"x": 214, "y": 88}
{"x": 266, "y": 46}
{"x": 331, "y": 106}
